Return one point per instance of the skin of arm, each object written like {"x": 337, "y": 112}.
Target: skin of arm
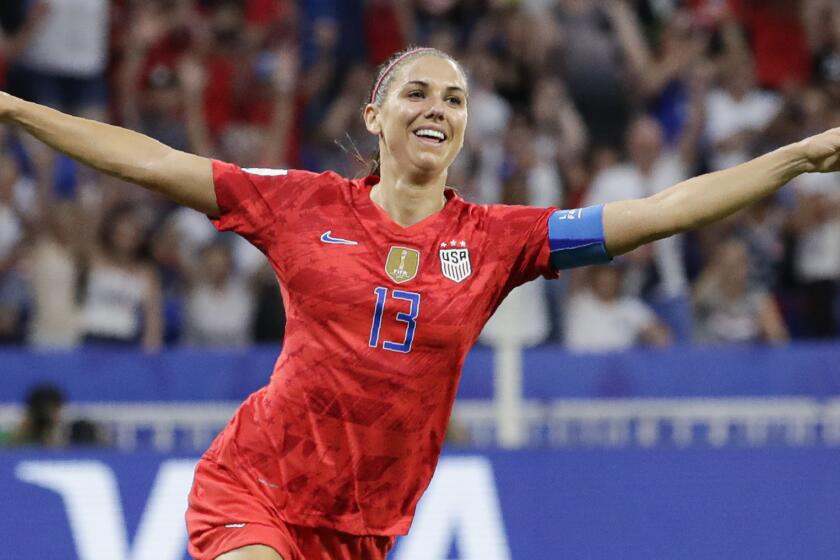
{"x": 122, "y": 153}
{"x": 708, "y": 198}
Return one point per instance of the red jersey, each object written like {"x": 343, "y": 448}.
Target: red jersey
{"x": 379, "y": 321}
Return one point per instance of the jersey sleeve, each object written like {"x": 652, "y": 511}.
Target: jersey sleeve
{"x": 520, "y": 237}
{"x": 543, "y": 241}
{"x": 255, "y": 203}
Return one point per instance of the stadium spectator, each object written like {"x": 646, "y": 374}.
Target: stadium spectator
{"x": 665, "y": 76}
{"x": 526, "y": 178}
{"x": 388, "y": 25}
{"x": 484, "y": 149}
{"x": 14, "y": 293}
{"x": 778, "y": 39}
{"x": 84, "y": 433}
{"x": 824, "y": 33}
{"x": 598, "y": 318}
{"x": 121, "y": 305}
{"x": 42, "y": 421}
{"x": 55, "y": 274}
{"x": 561, "y": 137}
{"x": 816, "y": 257}
{"x": 341, "y": 124}
{"x": 515, "y": 245}
{"x": 269, "y": 325}
{"x": 737, "y": 114}
{"x": 174, "y": 268}
{"x": 19, "y": 21}
{"x": 762, "y": 229}
{"x": 651, "y": 167}
{"x": 64, "y": 61}
{"x": 730, "y": 309}
{"x": 598, "y": 49}
{"x": 219, "y": 304}
{"x": 44, "y": 425}
{"x": 221, "y": 79}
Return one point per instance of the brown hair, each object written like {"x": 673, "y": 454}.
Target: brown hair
{"x": 385, "y": 76}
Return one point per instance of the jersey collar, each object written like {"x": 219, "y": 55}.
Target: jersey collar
{"x": 371, "y": 211}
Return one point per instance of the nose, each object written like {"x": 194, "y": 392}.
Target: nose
{"x": 435, "y": 110}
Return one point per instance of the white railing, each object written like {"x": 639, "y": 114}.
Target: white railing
{"x": 675, "y": 422}
{"x": 125, "y": 424}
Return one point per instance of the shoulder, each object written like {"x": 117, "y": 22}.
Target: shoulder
{"x": 321, "y": 181}
{"x": 504, "y": 211}
{"x": 510, "y": 219}
{"x": 264, "y": 175}
{"x": 456, "y": 206}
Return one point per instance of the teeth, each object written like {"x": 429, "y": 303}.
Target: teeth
{"x": 431, "y": 133}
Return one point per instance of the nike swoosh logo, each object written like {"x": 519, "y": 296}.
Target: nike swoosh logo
{"x": 327, "y": 237}
{"x": 235, "y": 525}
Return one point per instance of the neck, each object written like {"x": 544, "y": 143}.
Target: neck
{"x": 409, "y": 199}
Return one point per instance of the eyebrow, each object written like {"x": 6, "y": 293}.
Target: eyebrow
{"x": 426, "y": 84}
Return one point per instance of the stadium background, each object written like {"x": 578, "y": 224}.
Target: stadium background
{"x": 680, "y": 404}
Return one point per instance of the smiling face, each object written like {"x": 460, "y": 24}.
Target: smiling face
{"x": 422, "y": 116}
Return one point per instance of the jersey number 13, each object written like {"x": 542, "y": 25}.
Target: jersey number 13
{"x": 410, "y": 319}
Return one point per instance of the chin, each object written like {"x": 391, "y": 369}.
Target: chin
{"x": 429, "y": 165}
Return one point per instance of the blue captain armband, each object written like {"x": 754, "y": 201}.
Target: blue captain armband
{"x": 576, "y": 237}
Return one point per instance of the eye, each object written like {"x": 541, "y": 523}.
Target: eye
{"x": 415, "y": 94}
{"x": 455, "y": 100}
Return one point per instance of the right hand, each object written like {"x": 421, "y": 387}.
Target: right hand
{"x": 822, "y": 151}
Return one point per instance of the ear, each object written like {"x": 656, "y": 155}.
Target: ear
{"x": 371, "y": 116}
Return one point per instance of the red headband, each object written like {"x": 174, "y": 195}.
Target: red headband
{"x": 391, "y": 67}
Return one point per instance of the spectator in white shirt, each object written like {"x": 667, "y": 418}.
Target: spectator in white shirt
{"x": 67, "y": 54}
{"x": 650, "y": 168}
{"x": 14, "y": 296}
{"x": 816, "y": 222}
{"x": 730, "y": 309}
{"x": 220, "y": 306}
{"x": 737, "y": 114}
{"x": 599, "y": 318}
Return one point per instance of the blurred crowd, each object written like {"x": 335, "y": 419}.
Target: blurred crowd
{"x": 43, "y": 423}
{"x": 572, "y": 103}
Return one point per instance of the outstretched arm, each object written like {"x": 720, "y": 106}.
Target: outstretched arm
{"x": 125, "y": 154}
{"x": 708, "y": 198}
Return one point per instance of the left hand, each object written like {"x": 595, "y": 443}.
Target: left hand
{"x": 822, "y": 151}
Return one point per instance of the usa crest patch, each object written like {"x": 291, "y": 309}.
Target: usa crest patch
{"x": 455, "y": 260}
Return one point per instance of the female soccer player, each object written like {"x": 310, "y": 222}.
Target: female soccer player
{"x": 387, "y": 282}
